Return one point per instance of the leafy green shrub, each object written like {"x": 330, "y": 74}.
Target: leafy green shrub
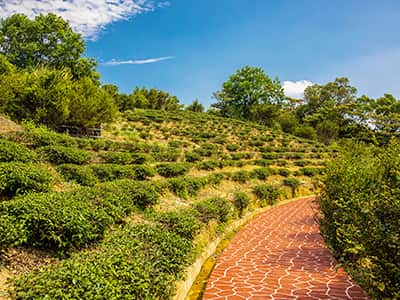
{"x": 140, "y": 158}
{"x": 241, "y": 176}
{"x": 311, "y": 171}
{"x": 207, "y": 150}
{"x": 186, "y": 186}
{"x": 209, "y": 165}
{"x": 13, "y": 152}
{"x": 269, "y": 155}
{"x": 266, "y": 193}
{"x": 241, "y": 201}
{"x": 167, "y": 154}
{"x": 193, "y": 157}
{"x": 262, "y": 173}
{"x": 293, "y": 183}
{"x": 18, "y": 178}
{"x": 135, "y": 262}
{"x": 65, "y": 155}
{"x": 80, "y": 174}
{"x": 183, "y": 222}
{"x": 284, "y": 172}
{"x": 214, "y": 209}
{"x": 142, "y": 172}
{"x": 302, "y": 163}
{"x": 110, "y": 172}
{"x": 360, "y": 208}
{"x": 173, "y": 169}
{"x": 232, "y": 147}
{"x": 121, "y": 158}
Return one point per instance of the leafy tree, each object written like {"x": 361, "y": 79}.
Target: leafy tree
{"x": 385, "y": 115}
{"x": 47, "y": 40}
{"x": 246, "y": 89}
{"x": 288, "y": 121}
{"x": 196, "y": 106}
{"x": 327, "y": 131}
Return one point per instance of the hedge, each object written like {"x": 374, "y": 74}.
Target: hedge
{"x": 13, "y": 152}
{"x": 65, "y": 155}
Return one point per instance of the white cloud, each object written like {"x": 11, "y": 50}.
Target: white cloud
{"x": 295, "y": 89}
{"x": 137, "y": 61}
{"x": 88, "y": 17}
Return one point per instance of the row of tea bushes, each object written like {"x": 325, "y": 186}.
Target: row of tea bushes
{"x": 65, "y": 220}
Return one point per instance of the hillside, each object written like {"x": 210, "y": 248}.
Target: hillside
{"x": 127, "y": 213}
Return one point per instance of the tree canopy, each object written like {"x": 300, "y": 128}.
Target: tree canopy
{"x": 247, "y": 88}
{"x": 47, "y": 40}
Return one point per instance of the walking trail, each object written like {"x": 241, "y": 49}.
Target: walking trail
{"x": 280, "y": 255}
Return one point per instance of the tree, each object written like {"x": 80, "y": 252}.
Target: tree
{"x": 245, "y": 89}
{"x": 327, "y": 131}
{"x": 196, "y": 106}
{"x": 48, "y": 41}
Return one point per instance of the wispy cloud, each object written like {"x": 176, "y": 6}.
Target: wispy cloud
{"x": 87, "y": 17}
{"x": 136, "y": 61}
{"x": 295, "y": 89}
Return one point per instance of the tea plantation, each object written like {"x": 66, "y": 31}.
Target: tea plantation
{"x": 124, "y": 215}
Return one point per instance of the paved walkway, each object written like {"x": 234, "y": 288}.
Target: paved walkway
{"x": 280, "y": 255}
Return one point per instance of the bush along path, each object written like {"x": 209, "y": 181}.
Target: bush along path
{"x": 281, "y": 255}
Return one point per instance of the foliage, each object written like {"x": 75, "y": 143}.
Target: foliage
{"x": 18, "y": 178}
{"x": 214, "y": 209}
{"x": 173, "y": 169}
{"x": 46, "y": 40}
{"x": 135, "y": 262}
{"x": 266, "y": 193}
{"x": 241, "y": 201}
{"x": 13, "y": 152}
{"x": 187, "y": 186}
{"x": 293, "y": 183}
{"x": 64, "y": 155}
{"x": 196, "y": 106}
{"x": 245, "y": 89}
{"x": 360, "y": 208}
{"x": 80, "y": 174}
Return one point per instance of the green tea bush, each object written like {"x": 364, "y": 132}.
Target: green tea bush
{"x": 241, "y": 176}
{"x": 309, "y": 171}
{"x": 261, "y": 173}
{"x": 293, "y": 183}
{"x": 284, "y": 172}
{"x": 13, "y": 152}
{"x": 209, "y": 165}
{"x": 135, "y": 262}
{"x": 185, "y": 223}
{"x": 186, "y": 187}
{"x": 266, "y": 193}
{"x": 232, "y": 147}
{"x": 80, "y": 174}
{"x": 360, "y": 206}
{"x": 18, "y": 178}
{"x": 269, "y": 155}
{"x": 110, "y": 172}
{"x": 241, "y": 201}
{"x": 192, "y": 157}
{"x": 302, "y": 163}
{"x": 121, "y": 158}
{"x": 64, "y": 155}
{"x": 165, "y": 154}
{"x": 173, "y": 169}
{"x": 214, "y": 209}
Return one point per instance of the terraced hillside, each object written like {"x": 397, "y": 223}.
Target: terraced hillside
{"x": 122, "y": 217}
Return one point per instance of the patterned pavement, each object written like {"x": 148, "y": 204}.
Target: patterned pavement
{"x": 280, "y": 255}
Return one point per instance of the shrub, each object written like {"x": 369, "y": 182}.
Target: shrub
{"x": 266, "y": 193}
{"x": 241, "y": 201}
{"x": 360, "y": 208}
{"x": 262, "y": 173}
{"x": 214, "y": 209}
{"x": 269, "y": 155}
{"x": 173, "y": 169}
{"x": 135, "y": 262}
{"x": 310, "y": 171}
{"x": 302, "y": 163}
{"x": 64, "y": 155}
{"x": 13, "y": 152}
{"x": 79, "y": 174}
{"x": 241, "y": 176}
{"x": 284, "y": 172}
{"x": 110, "y": 172}
{"x": 121, "y": 158}
{"x": 232, "y": 147}
{"x": 20, "y": 178}
{"x": 293, "y": 183}
{"x": 186, "y": 186}
{"x": 184, "y": 222}
{"x": 209, "y": 165}
{"x": 192, "y": 157}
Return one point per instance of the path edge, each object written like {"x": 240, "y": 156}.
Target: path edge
{"x": 183, "y": 287}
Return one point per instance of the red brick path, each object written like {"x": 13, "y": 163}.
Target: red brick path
{"x": 280, "y": 255}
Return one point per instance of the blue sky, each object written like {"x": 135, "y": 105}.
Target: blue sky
{"x": 190, "y": 47}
